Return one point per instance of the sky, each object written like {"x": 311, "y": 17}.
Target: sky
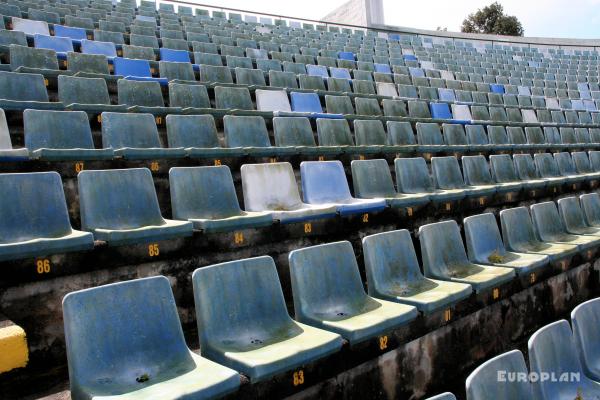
{"x": 542, "y": 18}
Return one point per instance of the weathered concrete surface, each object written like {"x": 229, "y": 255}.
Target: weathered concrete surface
{"x": 442, "y": 359}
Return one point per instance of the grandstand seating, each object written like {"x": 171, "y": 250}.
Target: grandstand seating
{"x": 584, "y": 319}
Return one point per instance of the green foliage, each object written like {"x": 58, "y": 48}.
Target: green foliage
{"x": 143, "y": 378}
{"x": 491, "y": 19}
{"x": 495, "y": 257}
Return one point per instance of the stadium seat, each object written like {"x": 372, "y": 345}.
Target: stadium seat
{"x": 135, "y": 70}
{"x": 134, "y": 136}
{"x": 92, "y": 65}
{"x": 328, "y": 294}
{"x": 73, "y": 33}
{"x": 393, "y": 274}
{"x": 30, "y": 59}
{"x": 34, "y": 219}
{"x": 297, "y": 132}
{"x": 552, "y": 350}
{"x": 260, "y": 340}
{"x": 584, "y": 320}
{"x": 484, "y": 246}
{"x": 19, "y": 91}
{"x": 120, "y": 207}
{"x": 336, "y": 133}
{"x": 444, "y": 258}
{"x": 61, "y": 45}
{"x": 7, "y": 152}
{"x": 272, "y": 187}
{"x": 583, "y": 165}
{"x": 477, "y": 174}
{"x": 234, "y": 98}
{"x": 308, "y": 103}
{"x": 549, "y": 228}
{"x": 528, "y": 173}
{"x": 372, "y": 180}
{"x": 61, "y": 136}
{"x": 590, "y": 204}
{"x": 272, "y": 100}
{"x": 249, "y": 134}
{"x": 412, "y": 177}
{"x": 113, "y": 342}
{"x": 447, "y": 176}
{"x": 566, "y": 168}
{"x": 484, "y": 382}
{"x": 324, "y": 182}
{"x": 30, "y": 27}
{"x": 504, "y": 174}
{"x": 181, "y": 71}
{"x": 188, "y": 96}
{"x": 206, "y": 197}
{"x": 573, "y": 218}
{"x": 139, "y": 94}
{"x": 109, "y": 50}
{"x": 86, "y": 94}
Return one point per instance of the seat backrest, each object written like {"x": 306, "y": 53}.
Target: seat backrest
{"x": 582, "y": 162}
{"x": 546, "y": 165}
{"x": 584, "y": 320}
{"x": 326, "y": 278}
{"x": 34, "y": 207}
{"x": 143, "y": 312}
{"x": 293, "y": 131}
{"x": 400, "y": 133}
{"x": 446, "y": 173}
{"x": 571, "y": 213}
{"x": 72, "y": 89}
{"x": 484, "y": 382}
{"x": 546, "y": 221}
{"x": 141, "y": 93}
{"x": 428, "y": 133}
{"x": 517, "y": 227}
{"x": 272, "y": 100}
{"x": 372, "y": 179}
{"x": 565, "y": 163}
{"x": 454, "y": 134}
{"x": 107, "y": 49}
{"x": 121, "y": 130}
{"x": 334, "y": 132}
{"x": 590, "y": 204}
{"x": 369, "y": 132}
{"x": 230, "y": 98}
{"x": 192, "y": 131}
{"x": 497, "y": 134}
{"x": 324, "y": 182}
{"x": 176, "y": 70}
{"x": 203, "y": 192}
{"x": 251, "y": 287}
{"x": 182, "y": 95}
{"x": 22, "y": 56}
{"x": 441, "y": 248}
{"x": 69, "y": 32}
{"x": 30, "y": 27}
{"x": 22, "y": 87}
{"x": 483, "y": 237}
{"x": 92, "y": 63}
{"x": 56, "y": 130}
{"x": 525, "y": 167}
{"x": 129, "y": 67}
{"x": 534, "y": 135}
{"x": 476, "y": 170}
{"x": 118, "y": 199}
{"x": 338, "y": 105}
{"x": 245, "y": 131}
{"x": 412, "y": 175}
{"x": 58, "y": 44}
{"x": 269, "y": 187}
{"x": 174, "y": 55}
{"x": 5, "y": 141}
{"x": 502, "y": 168}
{"x": 516, "y": 135}
{"x": 476, "y": 134}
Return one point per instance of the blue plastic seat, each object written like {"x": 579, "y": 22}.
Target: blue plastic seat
{"x": 485, "y": 246}
{"x": 447, "y": 176}
{"x": 409, "y": 57}
{"x": 71, "y": 32}
{"x": 206, "y": 197}
{"x": 309, "y": 103}
{"x": 272, "y": 187}
{"x": 497, "y": 88}
{"x": 590, "y": 204}
{"x": 120, "y": 207}
{"x": 324, "y": 182}
{"x": 585, "y": 319}
{"x": 444, "y": 258}
{"x": 340, "y": 73}
{"x": 317, "y": 70}
{"x": 259, "y": 339}
{"x": 135, "y": 70}
{"x": 446, "y": 95}
{"x": 34, "y": 220}
{"x": 107, "y": 49}
{"x": 371, "y": 179}
{"x": 412, "y": 176}
{"x": 552, "y": 351}
{"x": 393, "y": 274}
{"x": 132, "y": 346}
{"x": 440, "y": 111}
{"x": 328, "y": 294}
{"x": 135, "y": 136}
{"x": 61, "y": 45}
{"x": 61, "y": 135}
{"x": 346, "y": 55}
{"x": 383, "y": 68}
{"x": 485, "y": 383}
{"x": 573, "y": 218}
{"x": 416, "y": 72}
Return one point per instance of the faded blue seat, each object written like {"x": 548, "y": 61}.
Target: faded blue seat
{"x": 134, "y": 341}
{"x": 197, "y": 134}
{"x": 477, "y": 173}
{"x": 548, "y": 169}
{"x": 120, "y": 207}
{"x": 107, "y": 49}
{"x": 430, "y": 137}
{"x": 590, "y": 204}
{"x": 272, "y": 187}
{"x": 484, "y": 382}
{"x": 446, "y": 95}
{"x": 135, "y": 136}
{"x": 249, "y": 135}
{"x": 447, "y": 176}
{"x": 566, "y": 167}
{"x": 135, "y": 70}
{"x": 34, "y": 220}
{"x": 383, "y": 68}
{"x": 259, "y": 339}
{"x": 328, "y": 294}
{"x": 340, "y": 73}
{"x": 552, "y": 351}
{"x": 440, "y": 111}
{"x": 444, "y": 258}
{"x": 527, "y": 172}
{"x": 371, "y": 179}
{"x": 346, "y": 55}
{"x": 549, "y": 228}
{"x": 583, "y": 166}
{"x": 206, "y": 197}
{"x": 412, "y": 177}
{"x": 61, "y": 135}
{"x": 19, "y": 91}
{"x": 497, "y": 88}
{"x": 317, "y": 70}
{"x": 504, "y": 174}
{"x": 71, "y": 32}
{"x": 311, "y": 104}
{"x": 297, "y": 132}
{"x": 585, "y": 319}
{"x": 324, "y": 182}
{"x": 519, "y": 236}
{"x": 61, "y": 45}
{"x": 393, "y": 274}
{"x": 485, "y": 246}
{"x": 573, "y": 218}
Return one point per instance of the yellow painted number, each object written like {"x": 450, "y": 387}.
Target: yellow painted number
{"x": 298, "y": 377}
{"x": 383, "y": 342}
{"x": 321, "y": 158}
{"x": 365, "y": 217}
{"x": 99, "y": 119}
{"x": 509, "y": 196}
{"x": 42, "y": 266}
{"x": 361, "y": 157}
{"x": 481, "y": 201}
{"x": 273, "y": 160}
{"x": 154, "y": 166}
{"x": 79, "y": 166}
{"x": 495, "y": 293}
{"x": 153, "y": 250}
{"x": 217, "y": 163}
{"x": 307, "y": 227}
{"x": 46, "y": 82}
{"x": 532, "y": 278}
{"x": 448, "y": 206}
{"x": 409, "y": 211}
{"x": 238, "y": 237}
{"x": 158, "y": 120}
{"x": 447, "y": 315}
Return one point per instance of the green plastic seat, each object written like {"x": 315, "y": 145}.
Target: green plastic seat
{"x": 82, "y": 63}
{"x": 338, "y": 105}
{"x": 249, "y": 76}
{"x": 430, "y": 138}
{"x": 85, "y": 94}
{"x": 215, "y": 74}
{"x": 26, "y": 59}
{"x": 140, "y": 93}
{"x": 259, "y": 339}
{"x": 336, "y": 133}
{"x": 120, "y": 207}
{"x": 134, "y": 341}
{"x": 233, "y": 98}
{"x": 393, "y": 274}
{"x": 444, "y": 258}
{"x": 412, "y": 177}
{"x": 188, "y": 96}
{"x": 182, "y": 71}
{"x": 297, "y": 132}
{"x": 250, "y": 135}
{"x": 206, "y": 197}
{"x": 19, "y": 91}
{"x": 328, "y": 294}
